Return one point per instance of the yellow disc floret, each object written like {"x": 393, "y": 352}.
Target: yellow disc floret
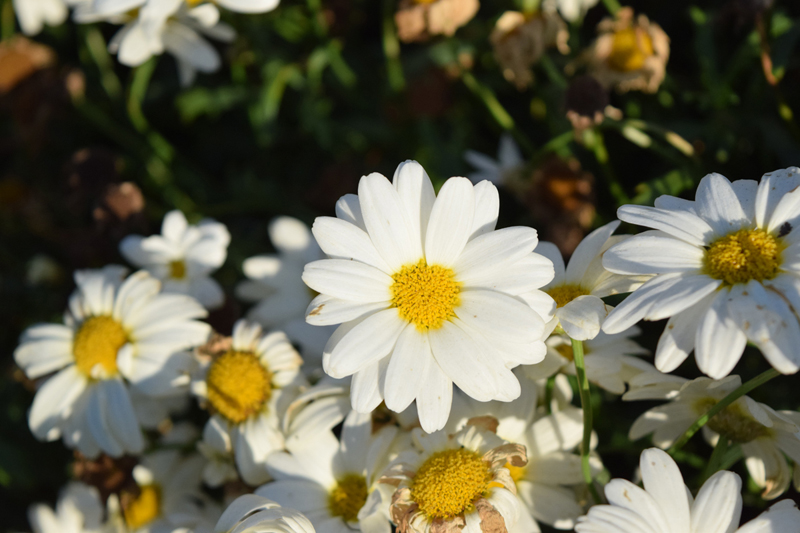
{"x": 177, "y": 269}
{"x": 97, "y": 342}
{"x": 349, "y": 496}
{"x": 564, "y": 294}
{"x": 449, "y": 483}
{"x": 238, "y": 385}
{"x": 744, "y": 255}
{"x": 145, "y": 508}
{"x": 630, "y": 48}
{"x": 425, "y": 295}
{"x": 732, "y": 422}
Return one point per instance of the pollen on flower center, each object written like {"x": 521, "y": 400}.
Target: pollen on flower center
{"x": 450, "y": 482}
{"x": 425, "y": 295}
{"x": 177, "y": 269}
{"x": 145, "y": 508}
{"x": 349, "y": 496}
{"x": 629, "y": 49}
{"x": 564, "y": 294}
{"x": 97, "y": 342}
{"x": 238, "y": 385}
{"x": 744, "y": 255}
{"x": 732, "y": 422}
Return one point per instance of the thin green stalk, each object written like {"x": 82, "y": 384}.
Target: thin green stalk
{"x": 555, "y": 75}
{"x": 7, "y": 23}
{"x": 717, "y": 455}
{"x": 391, "y": 48}
{"x": 548, "y": 393}
{"x": 137, "y": 92}
{"x": 612, "y": 5}
{"x": 586, "y": 405}
{"x": 722, "y": 404}
{"x": 598, "y": 147}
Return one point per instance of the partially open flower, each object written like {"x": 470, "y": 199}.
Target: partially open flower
{"x": 457, "y": 482}
{"x": 418, "y": 20}
{"x": 630, "y": 53}
{"x": 519, "y": 40}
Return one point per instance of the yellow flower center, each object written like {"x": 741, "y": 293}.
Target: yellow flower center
{"x": 732, "y": 422}
{"x": 425, "y": 295}
{"x": 629, "y": 49}
{"x": 517, "y": 472}
{"x": 238, "y": 385}
{"x": 564, "y": 294}
{"x": 97, "y": 342}
{"x": 145, "y": 508}
{"x": 349, "y": 496}
{"x": 449, "y": 483}
{"x": 744, "y": 255}
{"x": 177, "y": 269}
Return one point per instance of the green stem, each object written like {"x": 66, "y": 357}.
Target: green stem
{"x": 138, "y": 90}
{"x": 548, "y": 393}
{"x": 552, "y": 71}
{"x": 600, "y": 151}
{"x": 586, "y": 405}
{"x": 7, "y": 22}
{"x": 391, "y": 48}
{"x": 715, "y": 460}
{"x": 612, "y": 5}
{"x": 722, "y": 404}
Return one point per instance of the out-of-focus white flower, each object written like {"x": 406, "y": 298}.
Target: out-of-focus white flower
{"x": 335, "y": 483}
{"x": 726, "y": 271}
{"x": 248, "y": 389}
{"x": 183, "y": 257}
{"x": 34, "y": 14}
{"x": 427, "y": 294}
{"x": 78, "y": 510}
{"x": 277, "y": 286}
{"x": 509, "y": 160}
{"x": 571, "y": 10}
{"x": 666, "y": 505}
{"x": 579, "y": 287}
{"x": 763, "y": 434}
{"x": 116, "y": 334}
{"x": 253, "y": 514}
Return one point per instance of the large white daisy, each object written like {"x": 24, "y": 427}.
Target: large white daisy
{"x": 428, "y": 294}
{"x": 248, "y": 389}
{"x": 763, "y": 434}
{"x": 34, "y": 14}
{"x": 335, "y": 482}
{"x": 183, "y": 257}
{"x": 727, "y": 269}
{"x": 579, "y": 287}
{"x": 275, "y": 283}
{"x": 116, "y": 334}
{"x": 665, "y": 505}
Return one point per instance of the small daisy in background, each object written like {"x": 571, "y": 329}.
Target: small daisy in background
{"x": 457, "y": 481}
{"x": 726, "y": 272}
{"x": 118, "y": 333}
{"x": 183, "y": 257}
{"x": 610, "y": 360}
{"x": 34, "y": 14}
{"x": 578, "y": 288}
{"x": 666, "y": 506}
{"x": 334, "y": 482}
{"x": 765, "y": 436}
{"x": 251, "y": 513}
{"x": 498, "y": 172}
{"x": 79, "y": 510}
{"x": 248, "y": 387}
{"x": 428, "y": 294}
{"x": 275, "y": 284}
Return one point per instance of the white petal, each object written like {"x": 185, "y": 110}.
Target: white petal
{"x": 368, "y": 342}
{"x": 450, "y": 224}
{"x": 348, "y": 280}
{"x": 483, "y": 255}
{"x": 587, "y": 250}
{"x": 551, "y": 252}
{"x": 366, "y": 386}
{"x": 677, "y": 340}
{"x": 54, "y": 401}
{"x": 408, "y": 365}
{"x": 348, "y": 208}
{"x": 434, "y": 398}
{"x": 498, "y": 315}
{"x": 343, "y": 240}
{"x": 249, "y": 6}
{"x": 718, "y": 506}
{"x": 773, "y": 187}
{"x": 718, "y": 205}
{"x": 662, "y": 479}
{"x": 417, "y": 195}
{"x": 652, "y": 254}
{"x": 582, "y": 317}
{"x": 683, "y": 225}
{"x": 487, "y": 209}
{"x": 386, "y": 221}
{"x": 719, "y": 342}
{"x": 325, "y": 310}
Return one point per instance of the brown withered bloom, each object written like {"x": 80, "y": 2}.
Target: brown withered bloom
{"x": 586, "y": 101}
{"x": 455, "y": 479}
{"x": 418, "y": 20}
{"x": 19, "y": 58}
{"x": 630, "y": 53}
{"x": 519, "y": 40}
{"x": 109, "y": 476}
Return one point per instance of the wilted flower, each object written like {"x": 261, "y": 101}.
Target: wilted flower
{"x": 418, "y": 20}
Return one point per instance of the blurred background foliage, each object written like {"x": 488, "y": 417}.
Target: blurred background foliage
{"x": 320, "y": 92}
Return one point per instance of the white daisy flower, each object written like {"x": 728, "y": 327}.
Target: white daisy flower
{"x": 609, "y": 359}
{"x": 277, "y": 286}
{"x": 248, "y": 388}
{"x": 217, "y": 448}
{"x": 254, "y": 514}
{"x": 34, "y": 14}
{"x": 335, "y": 484}
{"x": 78, "y": 510}
{"x": 544, "y": 485}
{"x": 509, "y": 160}
{"x": 183, "y": 257}
{"x": 763, "y": 434}
{"x": 456, "y": 482}
{"x": 726, "y": 269}
{"x": 168, "y": 495}
{"x": 571, "y": 10}
{"x": 428, "y": 294}
{"x": 579, "y": 287}
{"x": 116, "y": 334}
{"x": 665, "y": 505}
